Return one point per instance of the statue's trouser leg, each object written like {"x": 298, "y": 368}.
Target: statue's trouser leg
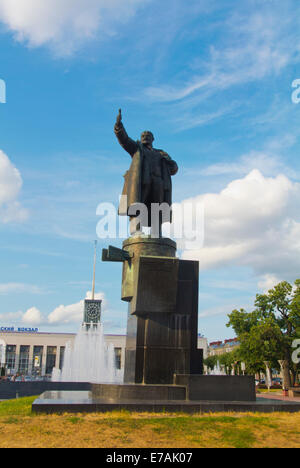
{"x": 157, "y": 197}
{"x": 134, "y": 225}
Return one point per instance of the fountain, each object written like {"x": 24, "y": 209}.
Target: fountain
{"x": 217, "y": 370}
{"x": 90, "y": 359}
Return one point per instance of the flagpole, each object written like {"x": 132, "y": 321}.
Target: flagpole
{"x": 94, "y": 271}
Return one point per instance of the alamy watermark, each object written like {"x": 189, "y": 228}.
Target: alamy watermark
{"x": 187, "y": 226}
{"x": 296, "y": 93}
{"x": 296, "y": 353}
{"x": 2, "y": 92}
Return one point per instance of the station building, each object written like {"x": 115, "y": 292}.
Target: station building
{"x": 216, "y": 348}
{"x": 29, "y": 352}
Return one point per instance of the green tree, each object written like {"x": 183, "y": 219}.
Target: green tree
{"x": 267, "y": 333}
{"x": 210, "y": 362}
{"x": 228, "y": 360}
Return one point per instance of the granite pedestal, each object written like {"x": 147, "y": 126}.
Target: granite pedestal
{"x": 162, "y": 326}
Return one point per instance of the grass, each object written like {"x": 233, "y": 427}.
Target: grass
{"x": 272, "y": 390}
{"x": 19, "y": 427}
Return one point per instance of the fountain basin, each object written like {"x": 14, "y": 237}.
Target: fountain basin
{"x": 83, "y": 402}
{"x": 189, "y": 393}
{"x": 138, "y": 392}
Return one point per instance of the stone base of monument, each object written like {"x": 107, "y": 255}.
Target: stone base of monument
{"x": 186, "y": 394}
{"x": 162, "y": 294}
{"x": 217, "y": 387}
{"x": 186, "y": 387}
{"x": 135, "y": 392}
{"x": 192, "y": 394}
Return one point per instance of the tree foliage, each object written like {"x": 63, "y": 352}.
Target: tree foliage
{"x": 267, "y": 333}
{"x": 210, "y": 362}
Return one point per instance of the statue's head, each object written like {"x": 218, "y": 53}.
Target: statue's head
{"x": 147, "y": 138}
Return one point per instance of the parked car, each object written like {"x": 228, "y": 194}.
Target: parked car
{"x": 28, "y": 378}
{"x": 20, "y": 378}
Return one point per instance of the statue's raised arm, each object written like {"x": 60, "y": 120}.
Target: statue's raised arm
{"x": 119, "y": 117}
{"x": 127, "y": 143}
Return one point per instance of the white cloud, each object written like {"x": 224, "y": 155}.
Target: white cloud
{"x": 32, "y": 316}
{"x": 264, "y": 161}
{"x": 254, "y": 45}
{"x": 72, "y": 313}
{"x": 250, "y": 45}
{"x": 268, "y": 282}
{"x": 11, "y": 317}
{"x": 19, "y": 288}
{"x": 64, "y": 24}
{"x": 223, "y": 309}
{"x": 10, "y": 187}
{"x": 61, "y": 315}
{"x": 253, "y": 222}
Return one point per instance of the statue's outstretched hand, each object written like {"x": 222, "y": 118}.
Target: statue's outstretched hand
{"x": 119, "y": 117}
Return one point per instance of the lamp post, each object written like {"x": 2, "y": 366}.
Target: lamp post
{"x": 285, "y": 376}
{"x": 268, "y": 374}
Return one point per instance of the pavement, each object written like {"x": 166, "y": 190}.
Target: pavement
{"x": 278, "y": 396}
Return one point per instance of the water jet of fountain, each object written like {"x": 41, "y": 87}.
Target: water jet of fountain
{"x": 90, "y": 359}
{"x": 217, "y": 370}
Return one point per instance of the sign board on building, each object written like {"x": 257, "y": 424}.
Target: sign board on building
{"x": 19, "y": 329}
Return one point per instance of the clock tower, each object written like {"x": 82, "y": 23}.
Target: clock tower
{"x": 92, "y": 307}
{"x": 92, "y": 311}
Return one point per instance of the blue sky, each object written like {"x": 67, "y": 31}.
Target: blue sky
{"x": 212, "y": 80}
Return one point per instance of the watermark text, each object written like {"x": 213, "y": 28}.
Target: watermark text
{"x": 2, "y": 92}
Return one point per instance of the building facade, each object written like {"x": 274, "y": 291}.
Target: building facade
{"x": 216, "y": 348}
{"x": 28, "y": 352}
{"x": 35, "y": 354}
{"x": 202, "y": 344}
